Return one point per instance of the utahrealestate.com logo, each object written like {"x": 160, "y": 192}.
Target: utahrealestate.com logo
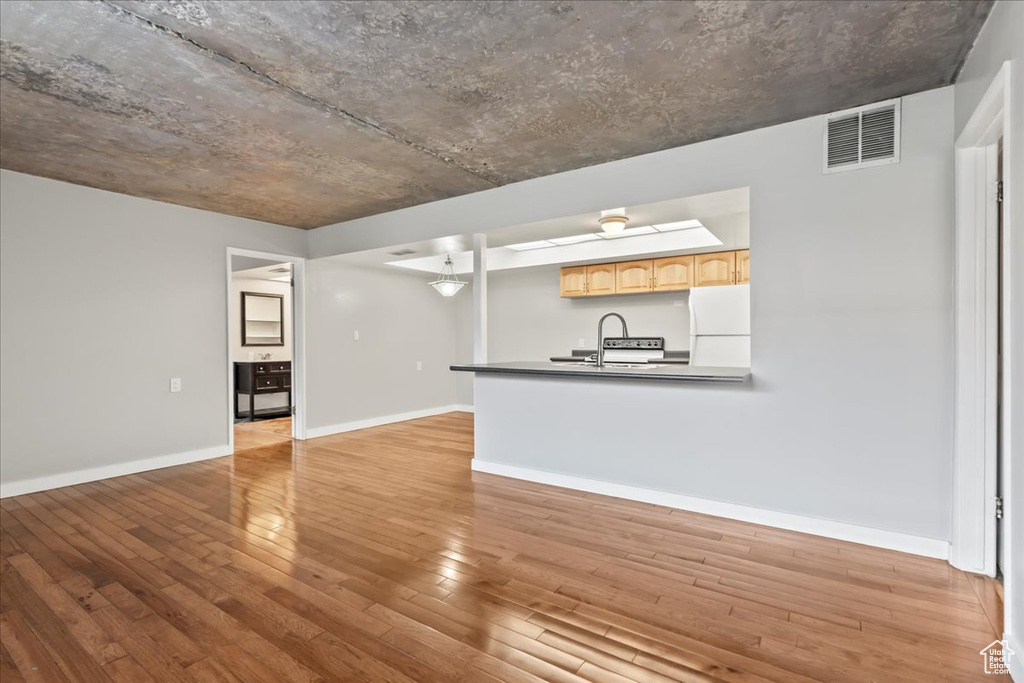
{"x": 997, "y": 657}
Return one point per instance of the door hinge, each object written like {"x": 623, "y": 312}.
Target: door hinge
{"x": 999, "y": 191}
{"x": 999, "y": 507}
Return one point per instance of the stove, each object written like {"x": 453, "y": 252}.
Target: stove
{"x": 633, "y": 349}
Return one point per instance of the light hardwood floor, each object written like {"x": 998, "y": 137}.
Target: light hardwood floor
{"x": 378, "y": 555}
{"x": 262, "y": 433}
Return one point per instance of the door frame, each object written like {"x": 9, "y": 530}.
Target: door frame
{"x": 298, "y": 339}
{"x": 976, "y": 404}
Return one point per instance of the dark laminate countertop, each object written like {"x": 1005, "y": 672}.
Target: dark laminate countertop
{"x": 672, "y": 372}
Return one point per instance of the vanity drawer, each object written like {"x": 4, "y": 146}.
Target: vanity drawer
{"x": 281, "y": 367}
{"x": 286, "y": 381}
{"x": 267, "y": 383}
{"x": 262, "y": 368}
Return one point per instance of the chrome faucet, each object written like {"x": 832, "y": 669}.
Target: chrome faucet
{"x": 600, "y": 335}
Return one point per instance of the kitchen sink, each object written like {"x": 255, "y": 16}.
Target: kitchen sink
{"x": 611, "y": 365}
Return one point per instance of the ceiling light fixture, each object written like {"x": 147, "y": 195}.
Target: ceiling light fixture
{"x": 613, "y": 221}
{"x": 447, "y": 282}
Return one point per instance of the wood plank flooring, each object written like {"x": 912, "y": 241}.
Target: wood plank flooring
{"x": 377, "y": 555}
{"x": 262, "y": 433}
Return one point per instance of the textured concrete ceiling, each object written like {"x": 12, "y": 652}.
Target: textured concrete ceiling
{"x": 310, "y": 113}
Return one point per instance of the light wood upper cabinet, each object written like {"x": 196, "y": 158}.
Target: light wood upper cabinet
{"x": 743, "y": 267}
{"x": 668, "y": 274}
{"x": 574, "y": 281}
{"x": 597, "y": 280}
{"x": 633, "y": 276}
{"x": 672, "y": 273}
{"x": 601, "y": 279}
{"x": 715, "y": 269}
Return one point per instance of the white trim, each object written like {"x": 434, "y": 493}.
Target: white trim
{"x": 890, "y": 540}
{"x": 316, "y": 432}
{"x": 1016, "y": 662}
{"x": 975, "y": 464}
{"x": 464, "y": 408}
{"x": 55, "y": 481}
{"x": 480, "y": 298}
{"x": 298, "y": 339}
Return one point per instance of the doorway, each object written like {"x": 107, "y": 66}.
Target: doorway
{"x": 265, "y": 349}
{"x": 981, "y": 536}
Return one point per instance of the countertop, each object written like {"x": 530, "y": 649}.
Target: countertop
{"x": 579, "y": 354}
{"x": 671, "y": 372}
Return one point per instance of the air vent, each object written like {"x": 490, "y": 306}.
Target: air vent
{"x": 402, "y": 252}
{"x": 862, "y": 137}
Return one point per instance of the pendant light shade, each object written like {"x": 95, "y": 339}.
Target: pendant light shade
{"x": 447, "y": 282}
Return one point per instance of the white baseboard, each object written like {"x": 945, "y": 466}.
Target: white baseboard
{"x": 1016, "y": 661}
{"x": 56, "y": 481}
{"x": 315, "y": 432}
{"x": 891, "y": 540}
{"x": 464, "y": 408}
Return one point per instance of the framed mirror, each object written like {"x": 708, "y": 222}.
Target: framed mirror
{"x": 262, "y": 319}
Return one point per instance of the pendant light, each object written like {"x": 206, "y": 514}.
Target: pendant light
{"x": 447, "y": 282}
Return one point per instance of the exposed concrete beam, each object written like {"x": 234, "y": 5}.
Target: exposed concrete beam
{"x": 268, "y": 79}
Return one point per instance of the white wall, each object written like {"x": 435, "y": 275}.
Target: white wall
{"x": 241, "y": 284}
{"x": 1002, "y": 39}
{"x": 849, "y": 411}
{"x": 400, "y": 321}
{"x": 104, "y": 298}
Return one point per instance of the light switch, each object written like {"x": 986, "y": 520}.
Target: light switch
{"x": 419, "y": 365}
{"x": 355, "y": 335}
{"x": 175, "y": 385}
{"x": 582, "y": 342}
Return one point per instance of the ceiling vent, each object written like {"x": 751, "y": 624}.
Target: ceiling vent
{"x": 862, "y": 137}
{"x": 402, "y": 252}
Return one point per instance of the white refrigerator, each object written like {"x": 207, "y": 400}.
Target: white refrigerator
{"x": 720, "y": 326}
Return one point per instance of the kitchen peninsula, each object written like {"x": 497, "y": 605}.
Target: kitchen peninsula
{"x": 622, "y": 431}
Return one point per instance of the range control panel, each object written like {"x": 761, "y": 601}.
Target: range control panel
{"x": 635, "y": 343}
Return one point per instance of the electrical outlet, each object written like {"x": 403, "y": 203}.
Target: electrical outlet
{"x": 582, "y": 343}
{"x": 175, "y": 385}
{"x": 419, "y": 365}
{"x": 678, "y": 303}
{"x": 355, "y": 335}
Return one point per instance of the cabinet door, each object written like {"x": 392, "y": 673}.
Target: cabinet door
{"x": 574, "y": 281}
{"x": 601, "y": 279}
{"x": 633, "y": 276}
{"x": 743, "y": 267}
{"x": 674, "y": 272}
{"x": 715, "y": 269}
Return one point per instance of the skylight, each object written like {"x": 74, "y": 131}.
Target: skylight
{"x": 592, "y": 236}
{"x": 628, "y": 232}
{"x": 575, "y": 239}
{"x": 526, "y": 246}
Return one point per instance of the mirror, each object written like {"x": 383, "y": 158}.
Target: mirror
{"x": 262, "y": 319}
